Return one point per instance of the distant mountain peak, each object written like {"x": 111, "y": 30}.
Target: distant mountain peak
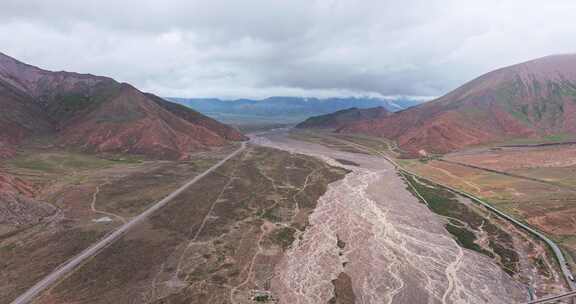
{"x": 286, "y": 110}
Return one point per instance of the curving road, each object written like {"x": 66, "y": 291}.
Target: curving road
{"x": 554, "y": 299}
{"x": 557, "y": 252}
{"x": 93, "y": 250}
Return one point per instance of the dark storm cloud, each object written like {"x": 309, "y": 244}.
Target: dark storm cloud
{"x": 257, "y": 48}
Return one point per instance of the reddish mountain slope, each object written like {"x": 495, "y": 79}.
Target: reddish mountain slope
{"x": 20, "y": 117}
{"x": 528, "y": 100}
{"x": 131, "y": 122}
{"x": 192, "y": 116}
{"x": 98, "y": 114}
{"x": 343, "y": 117}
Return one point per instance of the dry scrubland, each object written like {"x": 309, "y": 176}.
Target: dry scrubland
{"x": 89, "y": 196}
{"x": 224, "y": 240}
{"x": 217, "y": 242}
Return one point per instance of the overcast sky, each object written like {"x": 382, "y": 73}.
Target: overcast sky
{"x": 260, "y": 48}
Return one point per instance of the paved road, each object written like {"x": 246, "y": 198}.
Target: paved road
{"x": 557, "y": 252}
{"x": 70, "y": 265}
{"x": 554, "y": 299}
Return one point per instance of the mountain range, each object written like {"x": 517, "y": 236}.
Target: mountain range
{"x": 534, "y": 100}
{"x": 341, "y": 118}
{"x": 98, "y": 114}
{"x": 286, "y": 110}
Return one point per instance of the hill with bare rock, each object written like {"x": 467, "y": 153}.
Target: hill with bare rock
{"x": 534, "y": 100}
{"x": 340, "y": 118}
{"x": 98, "y": 114}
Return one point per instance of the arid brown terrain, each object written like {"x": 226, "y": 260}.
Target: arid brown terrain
{"x": 324, "y": 221}
{"x": 218, "y": 242}
{"x": 265, "y": 227}
{"x": 56, "y": 203}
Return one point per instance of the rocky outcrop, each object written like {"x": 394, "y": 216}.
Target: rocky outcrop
{"x": 17, "y": 207}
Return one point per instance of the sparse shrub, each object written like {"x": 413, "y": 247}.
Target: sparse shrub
{"x": 262, "y": 298}
{"x": 284, "y": 237}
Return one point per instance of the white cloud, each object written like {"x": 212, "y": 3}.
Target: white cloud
{"x": 258, "y": 48}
